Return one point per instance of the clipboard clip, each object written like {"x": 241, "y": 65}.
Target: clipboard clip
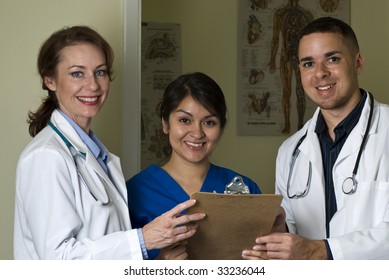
{"x": 237, "y": 186}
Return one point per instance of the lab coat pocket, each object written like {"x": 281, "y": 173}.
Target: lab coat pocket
{"x": 368, "y": 206}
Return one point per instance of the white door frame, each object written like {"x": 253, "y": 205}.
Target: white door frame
{"x": 131, "y": 94}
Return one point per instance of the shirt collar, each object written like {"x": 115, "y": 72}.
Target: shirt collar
{"x": 347, "y": 124}
{"x": 91, "y": 141}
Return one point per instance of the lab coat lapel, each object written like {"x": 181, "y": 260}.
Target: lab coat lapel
{"x": 310, "y": 146}
{"x": 354, "y": 140}
{"x": 115, "y": 170}
{"x": 117, "y": 181}
{"x": 94, "y": 164}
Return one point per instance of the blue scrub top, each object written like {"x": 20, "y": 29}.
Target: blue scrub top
{"x": 153, "y": 192}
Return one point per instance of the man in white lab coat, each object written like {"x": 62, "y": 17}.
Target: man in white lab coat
{"x": 333, "y": 173}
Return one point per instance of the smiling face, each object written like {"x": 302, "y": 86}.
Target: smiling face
{"x": 81, "y": 82}
{"x": 329, "y": 69}
{"x": 193, "y": 132}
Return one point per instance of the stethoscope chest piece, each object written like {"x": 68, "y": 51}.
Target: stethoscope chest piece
{"x": 349, "y": 185}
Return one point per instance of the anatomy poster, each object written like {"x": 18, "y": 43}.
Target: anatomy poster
{"x": 161, "y": 63}
{"x": 270, "y": 98}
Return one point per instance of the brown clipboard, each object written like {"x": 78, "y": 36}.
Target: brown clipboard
{"x": 231, "y": 225}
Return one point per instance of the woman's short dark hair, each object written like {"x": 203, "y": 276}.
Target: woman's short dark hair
{"x": 202, "y": 88}
{"x": 48, "y": 59}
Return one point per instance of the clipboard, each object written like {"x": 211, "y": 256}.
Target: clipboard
{"x": 231, "y": 225}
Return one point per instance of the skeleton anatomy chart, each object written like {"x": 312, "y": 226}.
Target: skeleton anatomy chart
{"x": 271, "y": 100}
{"x": 161, "y": 63}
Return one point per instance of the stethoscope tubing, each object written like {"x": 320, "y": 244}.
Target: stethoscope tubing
{"x": 351, "y": 187}
{"x": 99, "y": 193}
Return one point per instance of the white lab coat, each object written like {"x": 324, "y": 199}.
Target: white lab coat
{"x": 55, "y": 215}
{"x": 360, "y": 227}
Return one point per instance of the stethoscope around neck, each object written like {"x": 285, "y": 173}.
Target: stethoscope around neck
{"x": 96, "y": 185}
{"x": 350, "y": 184}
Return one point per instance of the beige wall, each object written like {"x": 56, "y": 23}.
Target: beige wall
{"x": 24, "y": 26}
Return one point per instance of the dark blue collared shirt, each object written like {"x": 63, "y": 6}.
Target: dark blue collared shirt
{"x": 330, "y": 151}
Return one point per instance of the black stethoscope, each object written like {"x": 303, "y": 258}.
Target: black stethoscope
{"x": 350, "y": 184}
{"x": 96, "y": 185}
